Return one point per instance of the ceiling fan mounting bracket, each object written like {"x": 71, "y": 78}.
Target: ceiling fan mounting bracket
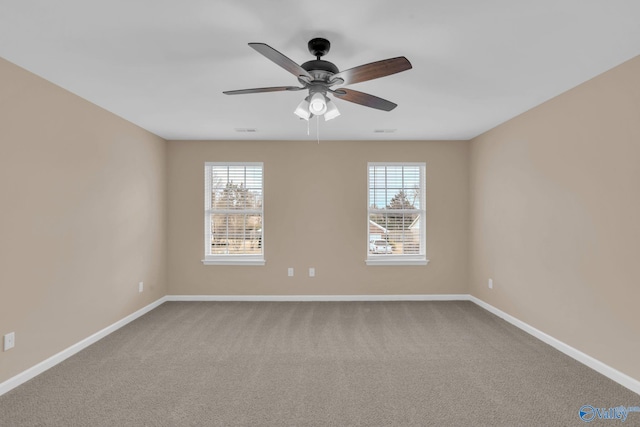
{"x": 319, "y": 47}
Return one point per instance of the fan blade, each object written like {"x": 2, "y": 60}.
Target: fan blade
{"x": 280, "y": 59}
{"x": 262, "y": 89}
{"x": 364, "y": 99}
{"x": 374, "y": 70}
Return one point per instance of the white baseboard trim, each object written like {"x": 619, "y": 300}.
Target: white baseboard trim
{"x": 445, "y": 297}
{"x": 606, "y": 370}
{"x": 32, "y": 372}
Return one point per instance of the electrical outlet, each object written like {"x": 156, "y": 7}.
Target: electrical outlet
{"x": 140, "y": 286}
{"x": 312, "y": 272}
{"x": 490, "y": 283}
{"x": 9, "y": 341}
{"x": 290, "y": 272}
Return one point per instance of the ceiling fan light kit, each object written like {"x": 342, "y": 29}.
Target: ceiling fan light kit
{"x": 319, "y": 77}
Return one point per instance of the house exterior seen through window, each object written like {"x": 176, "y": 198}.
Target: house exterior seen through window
{"x": 396, "y": 214}
{"x": 233, "y": 219}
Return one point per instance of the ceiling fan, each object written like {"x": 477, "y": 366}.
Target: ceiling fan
{"x": 320, "y": 76}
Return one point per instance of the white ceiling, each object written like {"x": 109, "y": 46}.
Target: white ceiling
{"x": 163, "y": 64}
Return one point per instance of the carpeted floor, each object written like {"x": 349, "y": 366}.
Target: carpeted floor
{"x": 315, "y": 363}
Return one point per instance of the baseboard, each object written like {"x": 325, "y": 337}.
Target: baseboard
{"x": 445, "y": 297}
{"x": 606, "y": 370}
{"x": 32, "y": 372}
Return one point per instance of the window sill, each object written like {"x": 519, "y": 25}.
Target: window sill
{"x": 233, "y": 261}
{"x": 387, "y": 261}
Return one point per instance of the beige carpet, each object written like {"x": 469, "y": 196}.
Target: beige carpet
{"x": 315, "y": 363}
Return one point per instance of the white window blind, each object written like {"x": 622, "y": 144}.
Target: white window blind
{"x": 233, "y": 219}
{"x": 396, "y": 214}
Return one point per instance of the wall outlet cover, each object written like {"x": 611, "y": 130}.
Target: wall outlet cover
{"x": 9, "y": 341}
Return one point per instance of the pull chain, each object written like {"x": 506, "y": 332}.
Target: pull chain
{"x": 318, "y": 128}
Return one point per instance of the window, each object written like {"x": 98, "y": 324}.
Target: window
{"x": 233, "y": 214}
{"x": 396, "y": 214}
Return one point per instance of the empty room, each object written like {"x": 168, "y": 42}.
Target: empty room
{"x": 364, "y": 213}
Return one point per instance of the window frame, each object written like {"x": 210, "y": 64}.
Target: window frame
{"x": 399, "y": 259}
{"x": 229, "y": 259}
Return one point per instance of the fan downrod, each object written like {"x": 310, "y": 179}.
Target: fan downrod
{"x": 319, "y": 47}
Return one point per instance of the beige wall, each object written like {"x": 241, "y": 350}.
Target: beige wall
{"x": 555, "y": 217}
{"x": 316, "y": 216}
{"x": 82, "y": 218}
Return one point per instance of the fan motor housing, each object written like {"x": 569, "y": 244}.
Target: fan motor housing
{"x": 320, "y": 65}
{"x": 320, "y": 70}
